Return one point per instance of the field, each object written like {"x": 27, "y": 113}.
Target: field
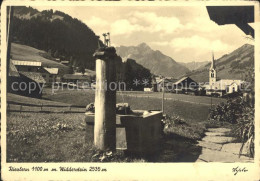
{"x": 41, "y": 137}
{"x": 46, "y": 137}
{"x": 185, "y": 106}
{"x": 27, "y": 53}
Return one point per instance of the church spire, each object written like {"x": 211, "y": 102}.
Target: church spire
{"x": 212, "y": 72}
{"x": 213, "y": 62}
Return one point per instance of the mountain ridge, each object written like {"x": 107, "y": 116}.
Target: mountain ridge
{"x": 157, "y": 62}
{"x": 233, "y": 65}
{"x": 194, "y": 65}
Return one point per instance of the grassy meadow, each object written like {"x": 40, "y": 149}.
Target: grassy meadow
{"x": 23, "y": 52}
{"x": 186, "y": 106}
{"x": 42, "y": 137}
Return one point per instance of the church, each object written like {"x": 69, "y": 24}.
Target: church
{"x": 223, "y": 86}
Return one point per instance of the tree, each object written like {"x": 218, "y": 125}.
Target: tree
{"x": 71, "y": 71}
{"x": 49, "y": 52}
{"x": 71, "y": 60}
{"x": 68, "y": 37}
{"x": 82, "y": 69}
{"x": 56, "y": 54}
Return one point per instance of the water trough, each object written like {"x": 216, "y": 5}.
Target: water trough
{"x": 139, "y": 132}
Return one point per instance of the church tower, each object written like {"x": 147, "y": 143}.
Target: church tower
{"x": 212, "y": 72}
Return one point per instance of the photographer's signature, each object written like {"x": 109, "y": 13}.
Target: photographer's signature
{"x": 237, "y": 170}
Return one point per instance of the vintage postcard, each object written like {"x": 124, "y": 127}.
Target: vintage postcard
{"x": 129, "y": 90}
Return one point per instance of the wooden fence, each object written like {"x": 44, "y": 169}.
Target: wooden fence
{"x": 170, "y": 99}
{"x": 26, "y": 107}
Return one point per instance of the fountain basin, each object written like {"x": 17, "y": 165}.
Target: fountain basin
{"x": 137, "y": 132}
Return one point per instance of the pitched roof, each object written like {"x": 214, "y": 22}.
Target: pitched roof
{"x": 65, "y": 61}
{"x": 185, "y": 78}
{"x": 223, "y": 84}
{"x": 13, "y": 71}
{"x": 166, "y": 80}
{"x": 179, "y": 81}
{"x": 27, "y": 63}
{"x": 230, "y": 81}
{"x": 53, "y": 71}
{"x": 76, "y": 77}
{"x": 35, "y": 76}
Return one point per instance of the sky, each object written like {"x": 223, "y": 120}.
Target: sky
{"x": 184, "y": 33}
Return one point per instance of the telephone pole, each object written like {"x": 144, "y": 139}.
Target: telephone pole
{"x": 163, "y": 95}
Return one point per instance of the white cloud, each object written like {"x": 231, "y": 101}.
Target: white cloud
{"x": 201, "y": 24}
{"x": 198, "y": 42}
{"x": 96, "y": 21}
{"x": 145, "y": 22}
{"x": 153, "y": 23}
{"x": 161, "y": 43}
{"x": 124, "y": 27}
{"x": 181, "y": 32}
{"x": 97, "y": 24}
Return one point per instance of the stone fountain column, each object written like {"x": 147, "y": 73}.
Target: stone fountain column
{"x": 105, "y": 99}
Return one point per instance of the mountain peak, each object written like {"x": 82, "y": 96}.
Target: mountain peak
{"x": 154, "y": 60}
{"x": 143, "y": 45}
{"x": 247, "y": 45}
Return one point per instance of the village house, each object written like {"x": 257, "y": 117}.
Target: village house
{"x": 77, "y": 80}
{"x": 65, "y": 62}
{"x": 223, "y": 86}
{"x": 50, "y": 74}
{"x": 27, "y": 66}
{"x": 165, "y": 84}
{"x": 148, "y": 89}
{"x": 22, "y": 75}
{"x": 47, "y": 73}
{"x": 183, "y": 85}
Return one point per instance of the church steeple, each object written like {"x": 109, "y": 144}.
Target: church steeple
{"x": 212, "y": 72}
{"x": 213, "y": 62}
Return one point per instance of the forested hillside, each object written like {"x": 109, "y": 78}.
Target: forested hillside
{"x": 194, "y": 65}
{"x": 53, "y": 35}
{"x": 56, "y": 33}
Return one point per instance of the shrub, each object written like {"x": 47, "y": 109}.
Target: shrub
{"x": 239, "y": 112}
{"x": 172, "y": 121}
{"x": 246, "y": 129}
{"x": 227, "y": 112}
